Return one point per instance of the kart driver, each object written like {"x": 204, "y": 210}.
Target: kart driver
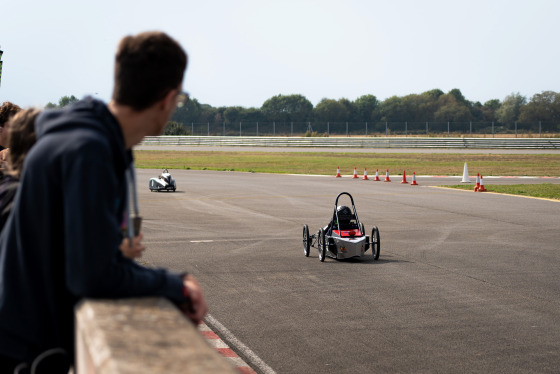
{"x": 345, "y": 217}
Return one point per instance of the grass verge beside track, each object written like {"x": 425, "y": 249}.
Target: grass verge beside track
{"x": 543, "y": 190}
{"x": 326, "y": 163}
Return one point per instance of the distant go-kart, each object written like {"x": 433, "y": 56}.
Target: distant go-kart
{"x": 164, "y": 182}
{"x": 344, "y": 237}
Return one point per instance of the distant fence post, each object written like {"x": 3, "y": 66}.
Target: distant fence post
{"x": 499, "y": 129}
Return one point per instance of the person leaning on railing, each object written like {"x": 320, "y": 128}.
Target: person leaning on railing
{"x": 61, "y": 241}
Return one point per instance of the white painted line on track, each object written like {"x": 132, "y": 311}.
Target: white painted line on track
{"x": 251, "y": 357}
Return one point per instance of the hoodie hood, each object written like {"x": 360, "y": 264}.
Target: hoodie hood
{"x": 85, "y": 115}
{"x": 87, "y": 112}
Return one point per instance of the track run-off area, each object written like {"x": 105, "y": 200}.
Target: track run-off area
{"x": 466, "y": 281}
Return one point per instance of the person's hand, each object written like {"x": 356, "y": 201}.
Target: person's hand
{"x": 195, "y": 309}
{"x": 4, "y": 155}
{"x": 135, "y": 250}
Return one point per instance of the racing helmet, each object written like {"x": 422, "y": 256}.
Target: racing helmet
{"x": 344, "y": 214}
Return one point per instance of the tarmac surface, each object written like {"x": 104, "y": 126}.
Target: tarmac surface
{"x": 466, "y": 282}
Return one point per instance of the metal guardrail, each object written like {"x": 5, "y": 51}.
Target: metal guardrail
{"x": 356, "y": 142}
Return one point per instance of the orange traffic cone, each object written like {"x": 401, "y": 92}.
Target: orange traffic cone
{"x": 387, "y": 177}
{"x": 355, "y": 174}
{"x": 377, "y": 175}
{"x": 365, "y": 175}
{"x": 414, "y": 180}
{"x": 338, "y": 172}
{"x": 477, "y": 182}
{"x": 481, "y": 188}
{"x": 404, "y": 177}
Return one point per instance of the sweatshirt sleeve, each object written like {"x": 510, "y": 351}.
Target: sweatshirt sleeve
{"x": 94, "y": 267}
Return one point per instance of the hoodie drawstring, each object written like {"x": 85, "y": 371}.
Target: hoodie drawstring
{"x": 134, "y": 219}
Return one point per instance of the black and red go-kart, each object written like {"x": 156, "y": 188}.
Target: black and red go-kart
{"x": 344, "y": 236}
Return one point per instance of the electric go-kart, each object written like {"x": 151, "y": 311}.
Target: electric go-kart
{"x": 164, "y": 182}
{"x": 344, "y": 236}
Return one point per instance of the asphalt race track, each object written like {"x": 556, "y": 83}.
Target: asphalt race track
{"x": 466, "y": 282}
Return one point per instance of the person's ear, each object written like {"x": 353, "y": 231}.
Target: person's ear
{"x": 170, "y": 100}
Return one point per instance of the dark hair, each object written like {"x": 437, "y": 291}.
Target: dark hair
{"x": 21, "y": 138}
{"x": 147, "y": 67}
{"x": 7, "y": 110}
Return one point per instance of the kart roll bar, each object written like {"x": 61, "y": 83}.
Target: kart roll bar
{"x": 335, "y": 214}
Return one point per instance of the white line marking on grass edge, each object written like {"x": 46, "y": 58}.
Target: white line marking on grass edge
{"x": 226, "y": 335}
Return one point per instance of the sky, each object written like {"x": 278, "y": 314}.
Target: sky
{"x": 243, "y": 52}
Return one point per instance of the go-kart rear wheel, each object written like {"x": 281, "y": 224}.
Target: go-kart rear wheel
{"x": 375, "y": 243}
{"x": 321, "y": 245}
{"x": 306, "y": 241}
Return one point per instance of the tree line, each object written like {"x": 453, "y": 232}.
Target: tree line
{"x": 433, "y": 105}
{"x": 429, "y": 106}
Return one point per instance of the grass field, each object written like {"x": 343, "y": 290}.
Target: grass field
{"x": 327, "y": 163}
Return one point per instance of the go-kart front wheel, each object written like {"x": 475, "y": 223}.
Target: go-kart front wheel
{"x": 321, "y": 245}
{"x": 306, "y": 241}
{"x": 375, "y": 243}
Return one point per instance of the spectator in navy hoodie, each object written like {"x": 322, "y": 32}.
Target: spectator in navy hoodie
{"x": 61, "y": 241}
